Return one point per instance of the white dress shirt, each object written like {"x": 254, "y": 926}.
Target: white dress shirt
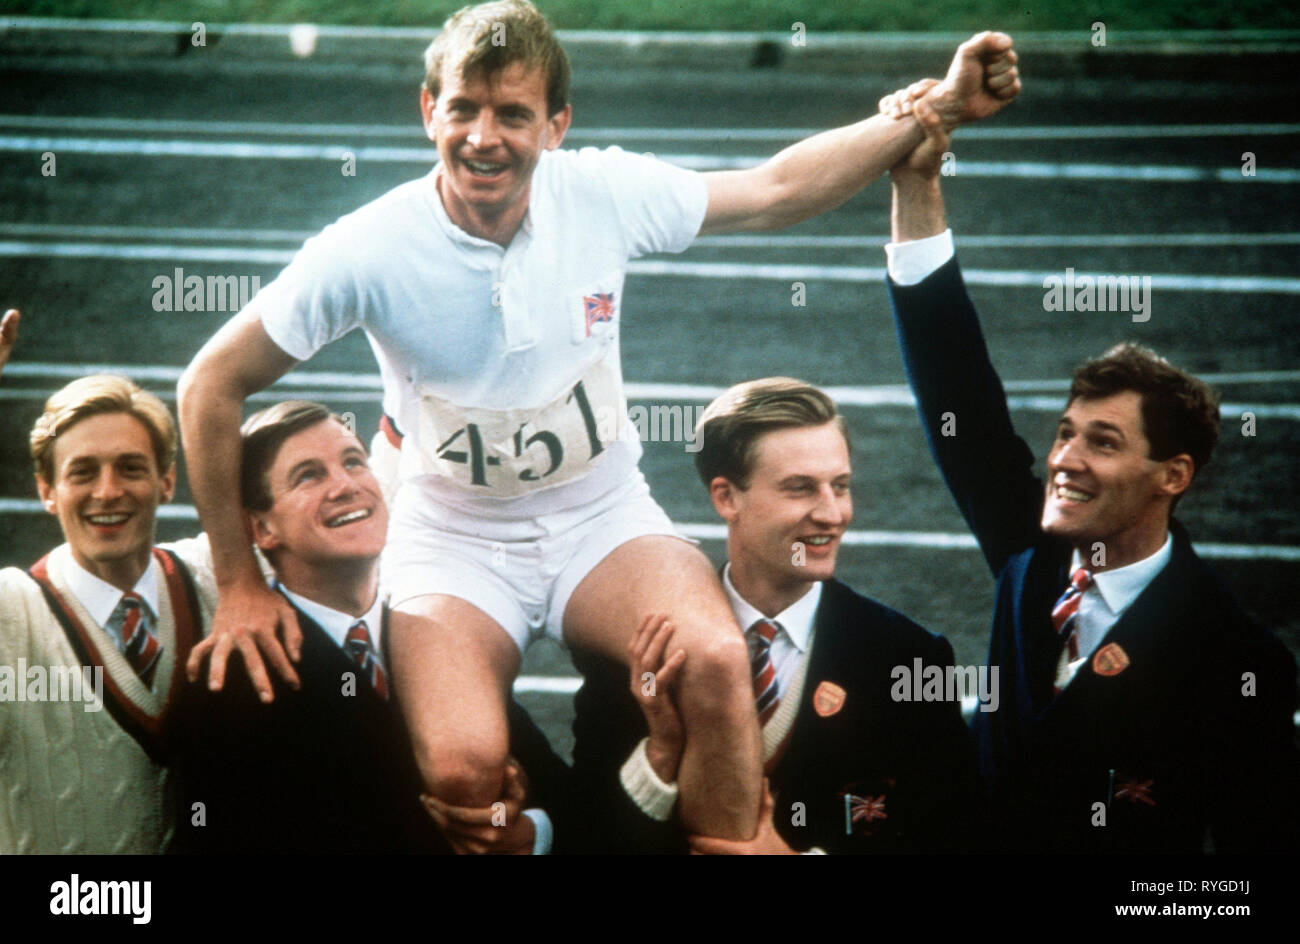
{"x": 913, "y": 261}
{"x": 796, "y": 621}
{"x": 337, "y": 624}
{"x": 1109, "y": 595}
{"x": 100, "y": 598}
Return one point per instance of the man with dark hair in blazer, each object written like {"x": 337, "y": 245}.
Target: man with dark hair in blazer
{"x": 330, "y": 767}
{"x": 1140, "y": 708}
{"x": 850, "y": 765}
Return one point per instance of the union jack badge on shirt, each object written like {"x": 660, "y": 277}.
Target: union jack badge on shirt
{"x": 598, "y": 307}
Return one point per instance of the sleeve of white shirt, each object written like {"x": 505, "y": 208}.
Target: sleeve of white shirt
{"x": 652, "y": 796}
{"x": 543, "y": 831}
{"x": 914, "y": 261}
{"x": 661, "y": 207}
{"x": 316, "y": 299}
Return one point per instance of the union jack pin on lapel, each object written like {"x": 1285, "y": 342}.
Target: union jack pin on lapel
{"x": 1135, "y": 791}
{"x": 861, "y": 811}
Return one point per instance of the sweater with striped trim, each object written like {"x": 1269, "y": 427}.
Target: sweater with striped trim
{"x": 74, "y": 778}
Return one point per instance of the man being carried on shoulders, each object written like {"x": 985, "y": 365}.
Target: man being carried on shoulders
{"x": 491, "y": 292}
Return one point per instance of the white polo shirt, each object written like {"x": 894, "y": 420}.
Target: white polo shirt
{"x": 484, "y": 348}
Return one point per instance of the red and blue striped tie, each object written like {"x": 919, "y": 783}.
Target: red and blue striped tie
{"x": 1065, "y": 616}
{"x": 362, "y": 650}
{"x": 766, "y": 691}
{"x": 137, "y": 643}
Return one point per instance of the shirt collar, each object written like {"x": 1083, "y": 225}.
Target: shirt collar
{"x": 458, "y": 235}
{"x": 337, "y": 624}
{"x": 1121, "y": 586}
{"x": 100, "y": 598}
{"x": 796, "y": 619}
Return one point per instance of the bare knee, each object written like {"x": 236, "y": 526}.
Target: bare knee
{"x": 464, "y": 775}
{"x": 718, "y": 687}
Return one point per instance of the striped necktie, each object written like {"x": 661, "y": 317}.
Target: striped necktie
{"x": 766, "y": 691}
{"x": 1065, "y": 618}
{"x": 130, "y": 621}
{"x": 362, "y": 650}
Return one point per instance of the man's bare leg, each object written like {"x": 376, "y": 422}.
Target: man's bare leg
{"x": 453, "y": 666}
{"x": 721, "y": 770}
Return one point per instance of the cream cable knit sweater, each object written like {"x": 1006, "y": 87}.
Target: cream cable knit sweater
{"x": 72, "y": 780}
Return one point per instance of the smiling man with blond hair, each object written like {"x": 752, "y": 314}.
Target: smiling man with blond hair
{"x": 95, "y": 776}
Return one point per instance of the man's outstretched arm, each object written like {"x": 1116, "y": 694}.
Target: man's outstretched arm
{"x": 821, "y": 172}
{"x": 963, "y": 407}
{"x": 239, "y": 360}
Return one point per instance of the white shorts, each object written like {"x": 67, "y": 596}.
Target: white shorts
{"x": 520, "y": 572}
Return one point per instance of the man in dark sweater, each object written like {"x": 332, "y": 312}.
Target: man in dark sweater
{"x": 329, "y": 767}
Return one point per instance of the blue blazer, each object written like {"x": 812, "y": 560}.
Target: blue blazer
{"x": 1187, "y": 748}
{"x": 913, "y": 762}
{"x": 317, "y": 771}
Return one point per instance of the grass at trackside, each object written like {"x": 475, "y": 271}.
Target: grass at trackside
{"x": 767, "y": 15}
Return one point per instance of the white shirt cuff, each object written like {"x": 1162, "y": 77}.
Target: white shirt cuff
{"x": 915, "y": 260}
{"x": 543, "y": 831}
{"x": 652, "y": 796}
{"x": 815, "y": 850}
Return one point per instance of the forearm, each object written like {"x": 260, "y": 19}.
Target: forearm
{"x": 210, "y": 412}
{"x": 238, "y": 361}
{"x": 810, "y": 177}
{"x": 917, "y": 208}
{"x": 820, "y": 173}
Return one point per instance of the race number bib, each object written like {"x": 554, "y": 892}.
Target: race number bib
{"x": 505, "y": 453}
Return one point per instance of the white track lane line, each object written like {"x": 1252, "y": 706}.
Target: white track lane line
{"x": 783, "y": 272}
{"x": 243, "y": 150}
{"x": 747, "y": 241}
{"x": 413, "y": 132}
{"x": 637, "y": 390}
{"x": 338, "y": 386}
{"x": 1231, "y": 412}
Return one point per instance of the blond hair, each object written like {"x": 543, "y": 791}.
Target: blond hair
{"x": 730, "y": 427}
{"x": 93, "y": 396}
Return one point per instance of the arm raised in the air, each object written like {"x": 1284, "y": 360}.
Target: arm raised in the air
{"x": 963, "y": 407}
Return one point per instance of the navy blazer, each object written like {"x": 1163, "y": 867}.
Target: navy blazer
{"x": 317, "y": 770}
{"x": 1189, "y": 745}
{"x": 908, "y": 767}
